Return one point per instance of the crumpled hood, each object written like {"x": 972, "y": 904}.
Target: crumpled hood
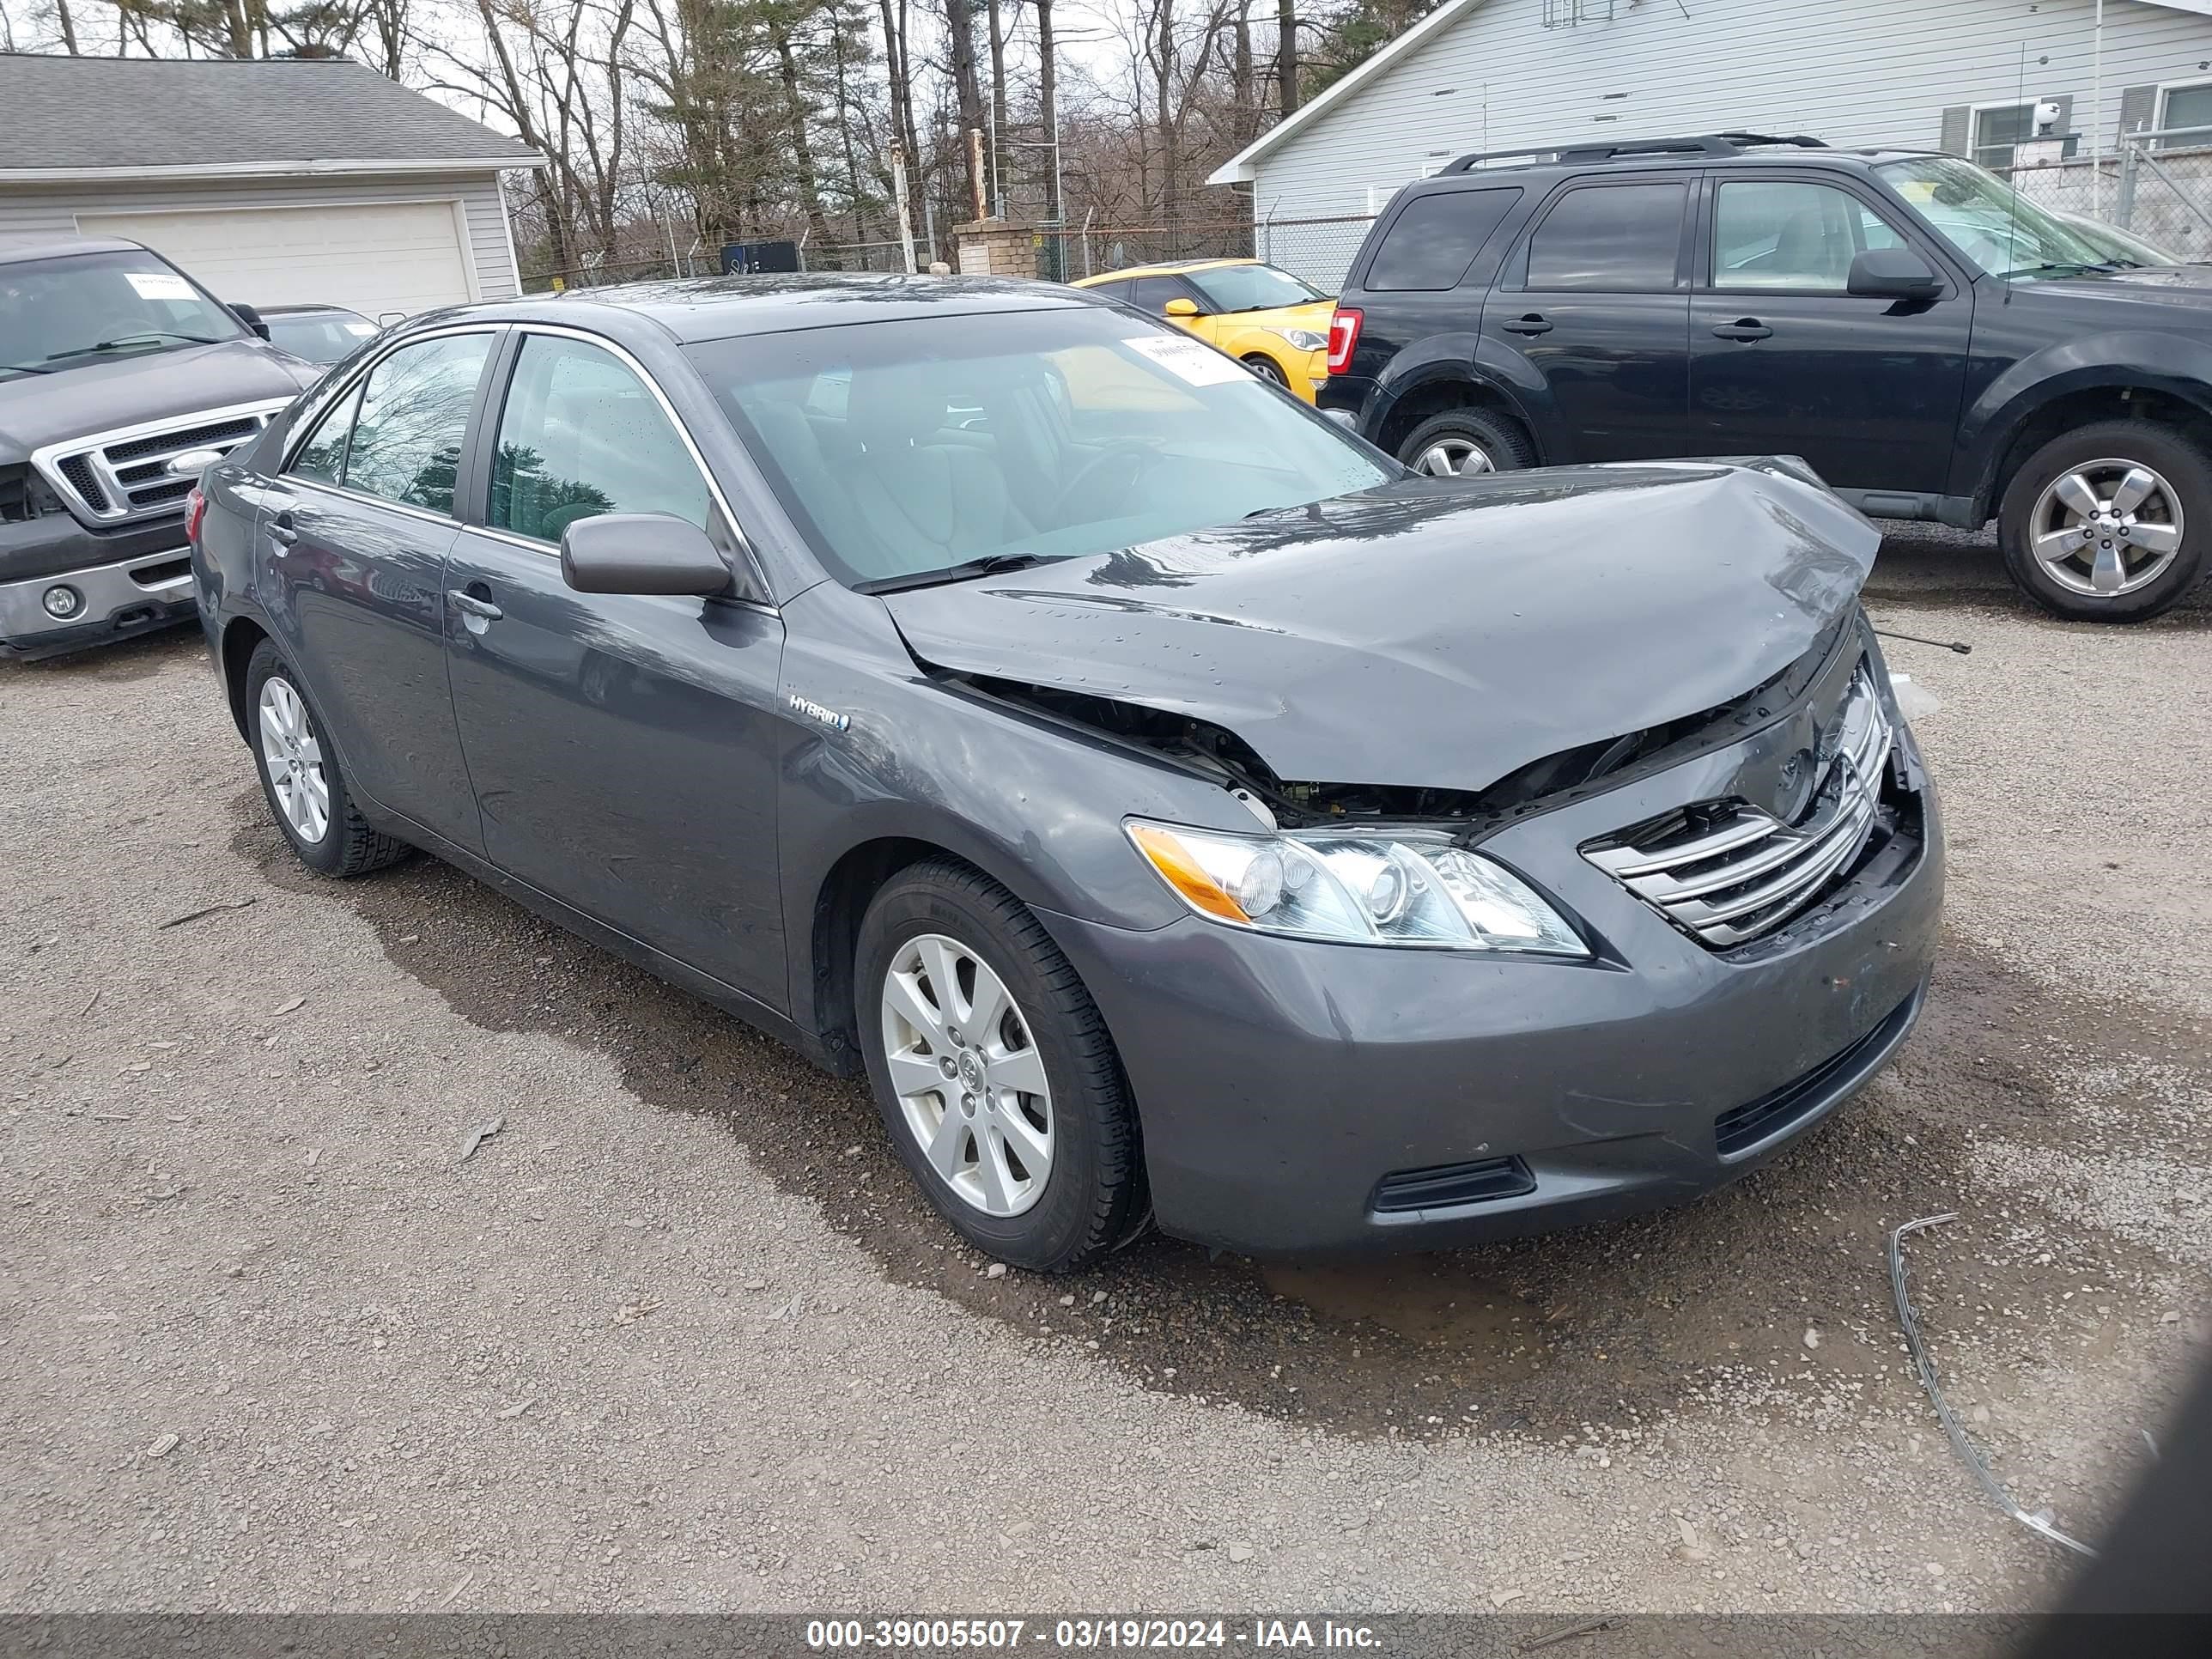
{"x": 1434, "y": 634}
{"x": 99, "y": 396}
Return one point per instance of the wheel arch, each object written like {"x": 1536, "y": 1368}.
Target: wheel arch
{"x": 241, "y": 634}
{"x": 1444, "y": 387}
{"x": 2102, "y": 377}
{"x": 822, "y": 984}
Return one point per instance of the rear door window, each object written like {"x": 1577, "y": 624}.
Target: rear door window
{"x": 1612, "y": 238}
{"x": 1432, "y": 242}
{"x": 414, "y": 414}
{"x": 322, "y": 457}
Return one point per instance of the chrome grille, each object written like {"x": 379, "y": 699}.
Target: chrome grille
{"x": 1727, "y": 871}
{"x": 114, "y": 477}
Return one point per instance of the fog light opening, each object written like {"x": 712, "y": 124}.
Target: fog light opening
{"x": 62, "y": 601}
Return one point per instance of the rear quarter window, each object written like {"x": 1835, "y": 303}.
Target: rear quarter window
{"x": 1431, "y": 243}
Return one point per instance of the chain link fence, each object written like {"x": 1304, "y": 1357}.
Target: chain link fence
{"x": 2159, "y": 187}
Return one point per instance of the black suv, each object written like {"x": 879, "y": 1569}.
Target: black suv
{"x": 120, "y": 379}
{"x": 1936, "y": 345}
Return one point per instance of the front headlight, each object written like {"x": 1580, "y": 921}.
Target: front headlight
{"x": 1401, "y": 888}
{"x": 1303, "y": 339}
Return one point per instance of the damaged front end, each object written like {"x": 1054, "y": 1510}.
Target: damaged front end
{"x": 1841, "y": 807}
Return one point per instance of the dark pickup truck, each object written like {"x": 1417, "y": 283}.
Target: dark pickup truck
{"x": 1935, "y": 345}
{"x": 120, "y": 379}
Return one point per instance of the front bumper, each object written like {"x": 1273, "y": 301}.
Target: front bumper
{"x": 116, "y": 601}
{"x": 1281, "y": 1083}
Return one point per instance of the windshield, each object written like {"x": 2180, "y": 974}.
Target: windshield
{"x": 1990, "y": 222}
{"x": 2124, "y": 245}
{"x": 320, "y": 337}
{"x": 903, "y": 449}
{"x": 1251, "y": 287}
{"x": 62, "y": 312}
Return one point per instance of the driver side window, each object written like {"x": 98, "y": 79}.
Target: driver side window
{"x": 580, "y": 435}
{"x": 1791, "y": 235}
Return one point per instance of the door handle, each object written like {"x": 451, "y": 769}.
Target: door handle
{"x": 470, "y": 606}
{"x": 1743, "y": 328}
{"x": 1533, "y": 323}
{"x": 281, "y": 529}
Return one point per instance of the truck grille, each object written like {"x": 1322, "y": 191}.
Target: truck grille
{"x": 1727, "y": 871}
{"x": 115, "y": 478}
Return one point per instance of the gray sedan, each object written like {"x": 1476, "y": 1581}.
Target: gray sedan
{"x": 1173, "y": 808}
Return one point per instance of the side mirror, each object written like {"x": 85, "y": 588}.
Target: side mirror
{"x": 246, "y": 314}
{"x": 1893, "y": 273}
{"x": 641, "y": 553}
{"x": 1180, "y": 307}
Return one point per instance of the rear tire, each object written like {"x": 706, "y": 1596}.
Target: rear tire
{"x": 1034, "y": 1084}
{"x": 1465, "y": 442}
{"x": 300, "y": 778}
{"x": 2109, "y": 522}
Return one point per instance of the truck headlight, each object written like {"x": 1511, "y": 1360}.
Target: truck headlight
{"x": 1403, "y": 887}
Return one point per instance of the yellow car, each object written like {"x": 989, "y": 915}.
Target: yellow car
{"x": 1273, "y": 321}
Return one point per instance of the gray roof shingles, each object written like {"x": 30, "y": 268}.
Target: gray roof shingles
{"x": 130, "y": 114}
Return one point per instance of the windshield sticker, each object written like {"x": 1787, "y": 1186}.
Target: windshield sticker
{"x": 361, "y": 330}
{"x": 159, "y": 285}
{"x": 1189, "y": 360}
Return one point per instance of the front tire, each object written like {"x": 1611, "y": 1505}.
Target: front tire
{"x": 993, "y": 1072}
{"x": 2109, "y": 522}
{"x": 1463, "y": 442}
{"x": 301, "y": 777}
{"x": 1267, "y": 369}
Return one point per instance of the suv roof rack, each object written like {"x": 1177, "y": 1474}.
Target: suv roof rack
{"x": 1711, "y": 143}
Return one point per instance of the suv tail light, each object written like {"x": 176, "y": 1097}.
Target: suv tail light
{"x": 195, "y": 510}
{"x": 1343, "y": 336}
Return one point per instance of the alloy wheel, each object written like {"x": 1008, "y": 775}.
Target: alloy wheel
{"x": 1455, "y": 457}
{"x": 294, "y": 759}
{"x": 964, "y": 1067}
{"x": 2106, "y": 528}
{"x": 1268, "y": 370}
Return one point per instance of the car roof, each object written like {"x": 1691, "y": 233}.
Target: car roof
{"x": 1168, "y": 267}
{"x": 719, "y": 308}
{"x": 14, "y": 250}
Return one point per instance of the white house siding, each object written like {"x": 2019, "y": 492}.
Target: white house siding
{"x": 40, "y": 209}
{"x": 1851, "y": 72}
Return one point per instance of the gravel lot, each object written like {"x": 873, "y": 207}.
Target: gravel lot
{"x": 679, "y": 1336}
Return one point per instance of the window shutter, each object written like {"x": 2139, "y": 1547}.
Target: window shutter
{"x": 2138, "y": 108}
{"x": 1957, "y": 121}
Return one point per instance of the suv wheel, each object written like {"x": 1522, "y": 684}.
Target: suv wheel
{"x": 994, "y": 1072}
{"x": 2109, "y": 523}
{"x": 1463, "y": 441}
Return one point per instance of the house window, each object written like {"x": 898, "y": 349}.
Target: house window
{"x": 2186, "y": 107}
{"x": 1997, "y": 129}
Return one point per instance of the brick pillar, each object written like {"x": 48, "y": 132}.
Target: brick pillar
{"x": 997, "y": 247}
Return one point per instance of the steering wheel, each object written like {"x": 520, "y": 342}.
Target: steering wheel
{"x": 1137, "y": 454}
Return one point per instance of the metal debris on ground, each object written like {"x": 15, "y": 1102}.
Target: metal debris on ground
{"x": 1958, "y": 646}
{"x": 210, "y": 910}
{"x": 477, "y": 1137}
{"x": 2038, "y": 1524}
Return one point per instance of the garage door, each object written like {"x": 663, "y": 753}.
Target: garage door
{"x": 401, "y": 255}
